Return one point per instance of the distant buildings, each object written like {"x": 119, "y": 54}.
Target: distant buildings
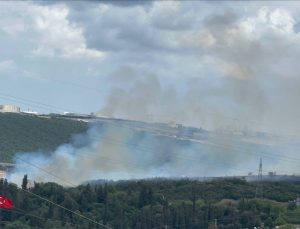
{"x": 9, "y": 108}
{"x": 298, "y": 201}
{"x": 30, "y": 112}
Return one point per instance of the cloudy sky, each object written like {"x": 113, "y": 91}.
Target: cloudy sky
{"x": 199, "y": 63}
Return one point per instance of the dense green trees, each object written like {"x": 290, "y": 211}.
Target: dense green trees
{"x": 23, "y": 133}
{"x": 156, "y": 203}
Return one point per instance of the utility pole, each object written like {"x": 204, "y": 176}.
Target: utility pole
{"x": 259, "y": 187}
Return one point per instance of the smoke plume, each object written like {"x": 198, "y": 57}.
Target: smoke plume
{"x": 253, "y": 83}
{"x": 114, "y": 150}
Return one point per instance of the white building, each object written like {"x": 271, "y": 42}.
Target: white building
{"x": 30, "y": 112}
{"x": 9, "y": 108}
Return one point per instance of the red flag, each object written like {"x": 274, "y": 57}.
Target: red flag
{"x": 6, "y": 202}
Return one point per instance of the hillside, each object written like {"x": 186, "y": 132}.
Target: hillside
{"x": 24, "y": 133}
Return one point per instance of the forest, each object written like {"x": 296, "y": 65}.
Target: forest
{"x": 155, "y": 203}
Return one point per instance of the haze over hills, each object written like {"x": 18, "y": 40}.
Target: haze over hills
{"x": 126, "y": 149}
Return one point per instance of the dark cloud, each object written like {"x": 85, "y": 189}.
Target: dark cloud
{"x": 120, "y": 30}
{"x": 219, "y": 21}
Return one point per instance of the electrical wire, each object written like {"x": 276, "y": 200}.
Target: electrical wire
{"x": 62, "y": 207}
{"x": 44, "y": 105}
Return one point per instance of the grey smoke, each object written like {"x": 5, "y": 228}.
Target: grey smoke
{"x": 254, "y": 84}
{"x": 255, "y": 81}
{"x": 117, "y": 151}
{"x": 113, "y": 151}
{"x": 200, "y": 103}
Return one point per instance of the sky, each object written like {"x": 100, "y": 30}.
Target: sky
{"x": 209, "y": 64}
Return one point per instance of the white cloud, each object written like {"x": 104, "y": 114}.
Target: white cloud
{"x": 59, "y": 37}
{"x": 245, "y": 47}
{"x": 46, "y": 29}
{"x": 11, "y": 21}
{"x": 278, "y": 21}
{"x": 12, "y": 27}
{"x": 281, "y": 20}
{"x": 7, "y": 66}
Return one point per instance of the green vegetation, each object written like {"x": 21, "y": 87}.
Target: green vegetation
{"x": 23, "y": 133}
{"x": 159, "y": 203}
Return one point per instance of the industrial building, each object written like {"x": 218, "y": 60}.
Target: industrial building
{"x": 9, "y": 108}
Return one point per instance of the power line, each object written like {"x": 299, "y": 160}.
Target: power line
{"x": 46, "y": 171}
{"x": 107, "y": 158}
{"x": 120, "y": 160}
{"x": 46, "y": 105}
{"x": 110, "y": 160}
{"x": 62, "y": 207}
{"x": 20, "y": 211}
{"x": 36, "y": 194}
{"x": 72, "y": 184}
{"x": 52, "y": 201}
{"x": 215, "y": 145}
{"x": 227, "y": 146}
{"x": 28, "y": 101}
{"x": 56, "y": 108}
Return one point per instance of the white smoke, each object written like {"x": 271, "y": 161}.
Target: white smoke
{"x": 116, "y": 152}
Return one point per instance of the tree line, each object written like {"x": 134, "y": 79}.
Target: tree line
{"x": 156, "y": 203}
